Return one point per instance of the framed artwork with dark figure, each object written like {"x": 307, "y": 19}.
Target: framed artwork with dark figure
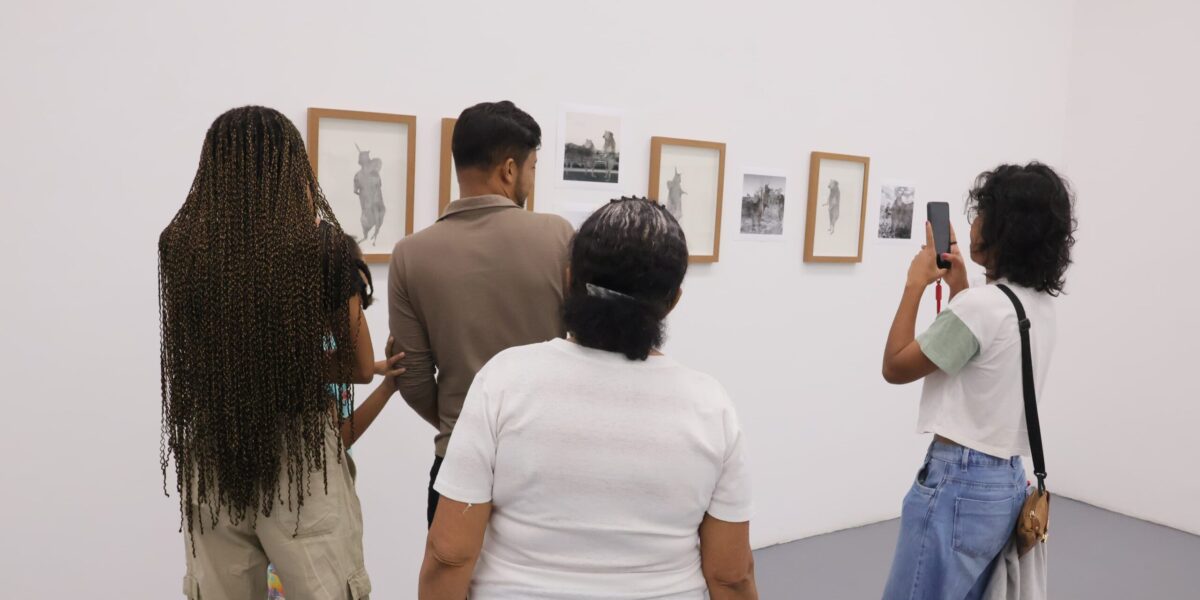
{"x": 837, "y": 203}
{"x": 365, "y": 163}
{"x": 448, "y": 180}
{"x": 688, "y": 176}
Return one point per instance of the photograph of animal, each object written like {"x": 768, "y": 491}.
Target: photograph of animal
{"x": 591, "y": 147}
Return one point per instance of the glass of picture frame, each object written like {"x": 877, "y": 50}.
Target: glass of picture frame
{"x": 837, "y": 207}
{"x": 688, "y": 177}
{"x": 365, "y": 162}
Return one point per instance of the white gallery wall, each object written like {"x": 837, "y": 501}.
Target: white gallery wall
{"x": 1122, "y": 430}
{"x": 105, "y": 110}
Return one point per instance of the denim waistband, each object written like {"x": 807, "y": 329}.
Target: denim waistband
{"x": 953, "y": 453}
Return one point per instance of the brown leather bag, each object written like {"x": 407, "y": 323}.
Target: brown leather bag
{"x": 1033, "y": 525}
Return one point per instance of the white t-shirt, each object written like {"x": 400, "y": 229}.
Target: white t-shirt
{"x": 599, "y": 469}
{"x": 976, "y": 396}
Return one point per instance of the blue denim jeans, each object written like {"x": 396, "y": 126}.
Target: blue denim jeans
{"x": 961, "y": 510}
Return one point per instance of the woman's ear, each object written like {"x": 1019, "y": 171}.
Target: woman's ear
{"x": 566, "y": 279}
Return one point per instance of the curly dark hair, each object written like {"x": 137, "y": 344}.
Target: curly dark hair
{"x": 1028, "y": 226}
{"x": 627, "y": 263}
{"x": 253, "y": 299}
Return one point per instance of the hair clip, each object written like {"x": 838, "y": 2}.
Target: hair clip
{"x": 602, "y": 292}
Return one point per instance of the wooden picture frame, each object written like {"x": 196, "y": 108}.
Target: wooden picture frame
{"x": 447, "y": 182}
{"x": 709, "y": 195}
{"x": 823, "y": 242}
{"x": 401, "y": 158}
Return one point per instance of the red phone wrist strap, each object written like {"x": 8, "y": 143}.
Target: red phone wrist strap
{"x": 938, "y": 294}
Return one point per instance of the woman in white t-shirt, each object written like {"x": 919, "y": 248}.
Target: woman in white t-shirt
{"x": 963, "y": 506}
{"x": 598, "y": 467}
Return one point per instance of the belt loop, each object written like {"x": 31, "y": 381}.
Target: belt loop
{"x": 966, "y": 455}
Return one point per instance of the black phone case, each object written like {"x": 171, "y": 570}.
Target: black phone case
{"x": 940, "y": 221}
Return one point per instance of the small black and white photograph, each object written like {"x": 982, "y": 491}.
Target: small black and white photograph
{"x": 896, "y": 202}
{"x": 590, "y": 147}
{"x": 763, "y": 203}
{"x": 364, "y": 162}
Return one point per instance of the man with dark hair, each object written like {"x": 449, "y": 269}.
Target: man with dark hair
{"x": 496, "y": 134}
{"x": 486, "y": 277}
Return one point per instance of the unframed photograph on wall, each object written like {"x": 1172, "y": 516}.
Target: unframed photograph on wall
{"x": 897, "y": 200}
{"x": 688, "y": 176}
{"x": 448, "y": 177}
{"x": 837, "y": 202}
{"x": 589, "y": 147}
{"x": 364, "y": 162}
{"x": 764, "y": 199}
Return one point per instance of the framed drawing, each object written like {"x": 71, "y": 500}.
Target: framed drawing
{"x": 689, "y": 176}
{"x": 837, "y": 203}
{"x": 589, "y": 148}
{"x": 448, "y": 181}
{"x": 365, "y": 162}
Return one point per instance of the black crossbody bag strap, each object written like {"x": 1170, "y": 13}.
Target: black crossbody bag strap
{"x": 1031, "y": 413}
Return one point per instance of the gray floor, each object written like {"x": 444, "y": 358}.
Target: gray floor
{"x": 1094, "y": 555}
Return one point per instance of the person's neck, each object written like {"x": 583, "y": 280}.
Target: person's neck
{"x": 653, "y": 351}
{"x": 469, "y": 189}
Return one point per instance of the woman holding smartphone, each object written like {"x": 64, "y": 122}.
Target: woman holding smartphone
{"x": 964, "y": 502}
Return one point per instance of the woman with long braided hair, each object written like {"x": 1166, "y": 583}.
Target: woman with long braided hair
{"x": 260, "y": 313}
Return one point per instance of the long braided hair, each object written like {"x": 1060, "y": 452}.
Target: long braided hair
{"x": 253, "y": 303}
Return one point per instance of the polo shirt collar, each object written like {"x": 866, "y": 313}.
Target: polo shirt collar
{"x": 478, "y": 202}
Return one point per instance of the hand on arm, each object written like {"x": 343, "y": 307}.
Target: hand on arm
{"x": 390, "y": 366}
{"x": 453, "y": 547}
{"x": 726, "y": 559}
{"x": 903, "y": 361}
{"x": 364, "y": 415}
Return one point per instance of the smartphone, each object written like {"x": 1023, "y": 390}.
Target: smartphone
{"x": 939, "y": 218}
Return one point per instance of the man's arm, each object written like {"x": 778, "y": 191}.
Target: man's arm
{"x": 417, "y": 384}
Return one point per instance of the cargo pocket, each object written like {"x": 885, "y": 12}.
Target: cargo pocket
{"x": 191, "y": 588}
{"x": 360, "y": 585}
{"x": 981, "y": 527}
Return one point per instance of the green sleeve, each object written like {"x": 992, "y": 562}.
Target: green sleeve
{"x": 948, "y": 343}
